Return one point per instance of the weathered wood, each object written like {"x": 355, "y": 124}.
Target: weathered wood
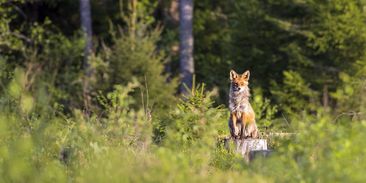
{"x": 245, "y": 146}
{"x": 260, "y": 153}
{"x": 249, "y": 148}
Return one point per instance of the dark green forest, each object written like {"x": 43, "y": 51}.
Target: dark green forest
{"x": 137, "y": 90}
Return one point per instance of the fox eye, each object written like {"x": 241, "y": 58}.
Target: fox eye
{"x": 242, "y": 83}
{"x": 235, "y": 84}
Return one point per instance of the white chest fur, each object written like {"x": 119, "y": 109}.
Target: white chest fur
{"x": 239, "y": 102}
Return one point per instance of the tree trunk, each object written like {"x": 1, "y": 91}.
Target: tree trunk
{"x": 186, "y": 43}
{"x": 86, "y": 24}
{"x": 133, "y": 20}
{"x": 85, "y": 15}
{"x": 325, "y": 97}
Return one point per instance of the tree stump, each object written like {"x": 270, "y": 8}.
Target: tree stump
{"x": 249, "y": 148}
{"x": 245, "y": 146}
{"x": 261, "y": 153}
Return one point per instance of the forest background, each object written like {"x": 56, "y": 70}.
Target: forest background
{"x": 92, "y": 90}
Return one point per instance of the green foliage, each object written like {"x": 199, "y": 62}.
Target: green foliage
{"x": 194, "y": 122}
{"x": 272, "y": 38}
{"x": 121, "y": 122}
{"x": 295, "y": 95}
{"x": 350, "y": 95}
{"x": 212, "y": 45}
{"x": 265, "y": 112}
{"x": 49, "y": 60}
{"x": 115, "y": 146}
{"x": 320, "y": 152}
{"x": 135, "y": 55}
{"x": 18, "y": 161}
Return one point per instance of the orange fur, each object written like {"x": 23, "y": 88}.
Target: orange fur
{"x": 241, "y": 112}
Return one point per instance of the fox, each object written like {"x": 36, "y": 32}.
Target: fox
{"x": 242, "y": 122}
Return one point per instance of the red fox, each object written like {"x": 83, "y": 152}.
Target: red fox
{"x": 241, "y": 112}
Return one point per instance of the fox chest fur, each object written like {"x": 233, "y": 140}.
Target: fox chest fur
{"x": 239, "y": 103}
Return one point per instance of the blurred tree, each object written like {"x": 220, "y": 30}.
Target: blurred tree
{"x": 186, "y": 43}
{"x": 86, "y": 24}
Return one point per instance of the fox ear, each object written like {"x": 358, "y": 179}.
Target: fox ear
{"x": 246, "y": 75}
{"x": 233, "y": 74}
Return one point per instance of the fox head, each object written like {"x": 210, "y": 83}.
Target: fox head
{"x": 239, "y": 82}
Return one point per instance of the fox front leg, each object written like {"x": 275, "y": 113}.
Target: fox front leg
{"x": 243, "y": 127}
{"x": 254, "y": 131}
{"x": 234, "y": 121}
